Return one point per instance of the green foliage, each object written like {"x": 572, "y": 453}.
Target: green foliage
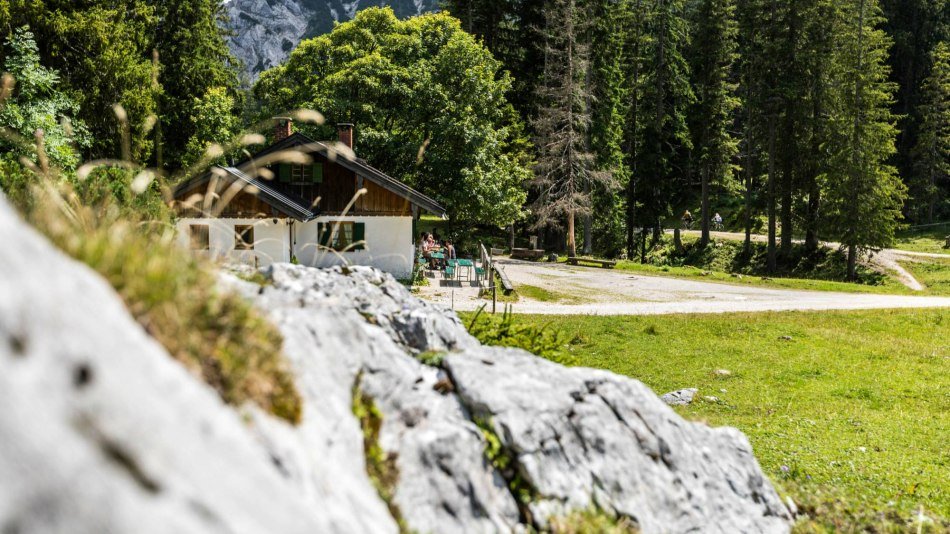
{"x": 504, "y": 461}
{"x": 505, "y": 331}
{"x": 155, "y": 59}
{"x": 931, "y": 183}
{"x": 213, "y": 122}
{"x": 841, "y": 416}
{"x": 380, "y": 465}
{"x": 864, "y": 196}
{"x": 200, "y": 97}
{"x": 592, "y": 521}
{"x": 429, "y": 104}
{"x": 713, "y": 54}
{"x": 38, "y": 105}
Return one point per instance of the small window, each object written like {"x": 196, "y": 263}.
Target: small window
{"x": 200, "y": 236}
{"x": 346, "y": 235}
{"x": 244, "y": 237}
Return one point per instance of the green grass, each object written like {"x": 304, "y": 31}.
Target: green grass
{"x": 846, "y": 411}
{"x": 924, "y": 240}
{"x": 547, "y": 295}
{"x": 935, "y": 275}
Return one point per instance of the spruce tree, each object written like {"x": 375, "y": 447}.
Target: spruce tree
{"x": 864, "y": 193}
{"x": 931, "y": 184}
{"x": 714, "y": 53}
{"x": 565, "y": 168}
{"x": 667, "y": 97}
{"x": 194, "y": 59}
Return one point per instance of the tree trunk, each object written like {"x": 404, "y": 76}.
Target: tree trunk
{"x": 511, "y": 237}
{"x": 571, "y": 244}
{"x": 677, "y": 240}
{"x": 770, "y": 257}
{"x": 588, "y": 223}
{"x": 634, "y": 144}
{"x": 852, "y": 263}
{"x": 704, "y": 210}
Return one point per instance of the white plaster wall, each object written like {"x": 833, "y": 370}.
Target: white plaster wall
{"x": 388, "y": 245}
{"x": 271, "y": 240}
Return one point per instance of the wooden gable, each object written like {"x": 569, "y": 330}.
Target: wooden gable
{"x": 335, "y": 188}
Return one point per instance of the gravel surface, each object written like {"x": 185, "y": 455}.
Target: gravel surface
{"x": 592, "y": 291}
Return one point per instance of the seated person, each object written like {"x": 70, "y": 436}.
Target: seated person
{"x": 450, "y": 251}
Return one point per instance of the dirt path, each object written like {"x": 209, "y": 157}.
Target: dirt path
{"x": 591, "y": 291}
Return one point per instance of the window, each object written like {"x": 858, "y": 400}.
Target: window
{"x": 346, "y": 235}
{"x": 200, "y": 236}
{"x": 301, "y": 180}
{"x": 243, "y": 237}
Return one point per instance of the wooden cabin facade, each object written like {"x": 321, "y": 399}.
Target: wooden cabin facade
{"x": 267, "y": 210}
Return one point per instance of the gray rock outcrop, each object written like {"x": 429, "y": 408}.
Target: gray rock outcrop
{"x": 584, "y": 438}
{"x": 102, "y": 431}
{"x": 267, "y": 31}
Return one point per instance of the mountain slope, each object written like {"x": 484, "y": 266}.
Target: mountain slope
{"x": 266, "y": 31}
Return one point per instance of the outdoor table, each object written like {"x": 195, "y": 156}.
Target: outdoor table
{"x": 469, "y": 266}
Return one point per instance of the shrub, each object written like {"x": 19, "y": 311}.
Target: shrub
{"x": 506, "y": 332}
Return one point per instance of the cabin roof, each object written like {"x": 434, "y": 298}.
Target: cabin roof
{"x": 304, "y": 144}
{"x": 289, "y": 205}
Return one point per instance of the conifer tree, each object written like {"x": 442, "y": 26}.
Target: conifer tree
{"x": 667, "y": 96}
{"x": 565, "y": 168}
{"x": 931, "y": 184}
{"x": 864, "y": 193}
{"x": 194, "y": 59}
{"x": 713, "y": 55}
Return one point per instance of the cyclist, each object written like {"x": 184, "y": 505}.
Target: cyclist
{"x": 717, "y": 221}
{"x": 687, "y": 220}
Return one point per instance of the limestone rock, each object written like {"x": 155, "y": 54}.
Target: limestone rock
{"x": 101, "y": 430}
{"x": 358, "y": 327}
{"x": 680, "y": 397}
{"x": 267, "y": 31}
{"x": 584, "y": 437}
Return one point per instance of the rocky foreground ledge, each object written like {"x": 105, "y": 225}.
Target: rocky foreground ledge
{"x": 102, "y": 431}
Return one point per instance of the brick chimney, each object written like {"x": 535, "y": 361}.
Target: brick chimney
{"x": 283, "y": 128}
{"x": 345, "y": 130}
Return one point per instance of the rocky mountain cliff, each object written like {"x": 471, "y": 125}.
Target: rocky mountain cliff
{"x": 102, "y": 431}
{"x": 266, "y": 31}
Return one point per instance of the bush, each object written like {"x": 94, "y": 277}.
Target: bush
{"x": 504, "y": 331}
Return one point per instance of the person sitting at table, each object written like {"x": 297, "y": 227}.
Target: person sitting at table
{"x": 438, "y": 240}
{"x": 449, "y": 251}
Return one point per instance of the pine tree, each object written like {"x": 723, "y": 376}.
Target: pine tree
{"x": 566, "y": 168}
{"x": 864, "y": 193}
{"x": 931, "y": 184}
{"x": 714, "y": 53}
{"x": 194, "y": 58}
{"x": 667, "y": 96}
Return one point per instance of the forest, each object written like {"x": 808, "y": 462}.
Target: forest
{"x": 594, "y": 123}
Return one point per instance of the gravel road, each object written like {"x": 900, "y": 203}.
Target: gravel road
{"x": 591, "y": 291}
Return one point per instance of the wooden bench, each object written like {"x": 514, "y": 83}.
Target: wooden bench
{"x": 605, "y": 264}
{"x": 497, "y": 251}
{"x": 505, "y": 282}
{"x": 526, "y": 254}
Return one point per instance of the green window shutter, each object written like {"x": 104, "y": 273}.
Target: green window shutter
{"x": 323, "y": 233}
{"x": 283, "y": 173}
{"x": 359, "y": 234}
{"x": 318, "y": 173}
